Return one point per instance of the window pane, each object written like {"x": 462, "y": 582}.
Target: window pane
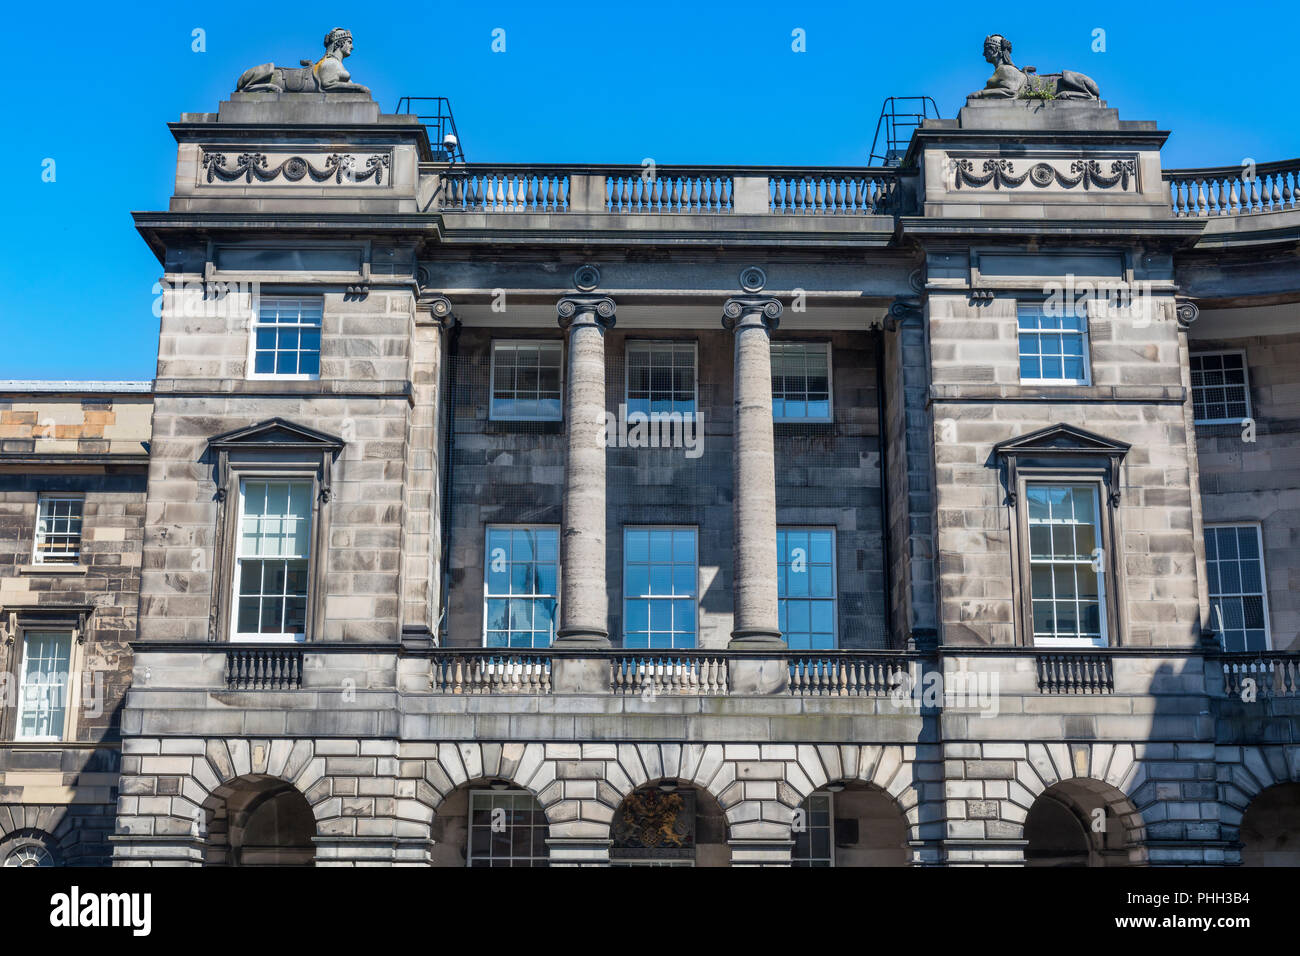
{"x": 287, "y": 336}
{"x": 661, "y": 377}
{"x": 43, "y": 692}
{"x": 659, "y": 565}
{"x": 1235, "y": 570}
{"x": 806, "y": 588}
{"x": 1065, "y": 587}
{"x": 271, "y": 564}
{"x": 522, "y": 563}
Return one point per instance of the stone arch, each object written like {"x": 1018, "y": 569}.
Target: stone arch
{"x": 71, "y": 833}
{"x": 258, "y": 819}
{"x": 33, "y": 844}
{"x": 888, "y": 769}
{"x": 1083, "y": 774}
{"x": 1269, "y": 832}
{"x": 702, "y": 766}
{"x": 647, "y": 803}
{"x": 449, "y": 767}
{"x": 1246, "y": 774}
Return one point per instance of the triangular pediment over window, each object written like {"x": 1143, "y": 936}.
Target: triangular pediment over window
{"x": 1062, "y": 439}
{"x": 276, "y": 433}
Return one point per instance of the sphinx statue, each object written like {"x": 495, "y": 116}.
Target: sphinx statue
{"x": 1009, "y": 82}
{"x": 326, "y": 75}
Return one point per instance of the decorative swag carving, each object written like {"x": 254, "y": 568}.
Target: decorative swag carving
{"x": 1083, "y": 172}
{"x": 339, "y": 167}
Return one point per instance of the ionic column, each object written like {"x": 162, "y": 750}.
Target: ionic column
{"x": 584, "y": 601}
{"x": 751, "y": 318}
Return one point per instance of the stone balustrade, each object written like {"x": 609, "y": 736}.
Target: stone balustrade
{"x": 850, "y": 674}
{"x": 693, "y": 190}
{"x": 1261, "y": 675}
{"x": 1075, "y": 672}
{"x": 680, "y": 673}
{"x": 491, "y": 672}
{"x": 1235, "y": 190}
{"x": 264, "y": 668}
{"x": 799, "y": 191}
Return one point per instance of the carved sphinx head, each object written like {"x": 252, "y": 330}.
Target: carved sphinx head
{"x": 997, "y": 49}
{"x": 340, "y": 40}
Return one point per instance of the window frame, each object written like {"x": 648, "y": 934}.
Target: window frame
{"x": 835, "y": 583}
{"x": 808, "y": 862}
{"x": 1051, "y": 477}
{"x": 517, "y": 526}
{"x": 38, "y": 556}
{"x": 492, "y": 379}
{"x": 469, "y": 827}
{"x": 1245, "y": 380}
{"x": 630, "y": 344}
{"x": 1085, "y": 332}
{"x": 71, "y": 689}
{"x": 236, "y": 636}
{"x": 1263, "y": 582}
{"x": 255, "y": 323}
{"x": 695, "y": 598}
{"x": 828, "y": 346}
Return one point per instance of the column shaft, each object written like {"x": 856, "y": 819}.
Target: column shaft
{"x": 754, "y": 475}
{"x": 584, "y": 599}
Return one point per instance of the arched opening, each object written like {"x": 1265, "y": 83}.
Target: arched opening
{"x": 259, "y": 821}
{"x": 27, "y": 848}
{"x": 849, "y": 824}
{"x": 1082, "y": 822}
{"x": 668, "y": 823}
{"x": 490, "y": 823}
{"x": 1270, "y": 828}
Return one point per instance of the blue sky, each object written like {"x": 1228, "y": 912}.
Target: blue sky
{"x": 93, "y": 87}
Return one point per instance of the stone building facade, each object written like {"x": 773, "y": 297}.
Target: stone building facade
{"x": 521, "y": 515}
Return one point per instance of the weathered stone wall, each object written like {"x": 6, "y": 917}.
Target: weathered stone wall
{"x": 1259, "y": 482}
{"x": 361, "y": 397}
{"x": 1136, "y": 396}
{"x": 827, "y": 475}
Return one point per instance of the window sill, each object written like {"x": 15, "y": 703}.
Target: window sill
{"x": 54, "y": 569}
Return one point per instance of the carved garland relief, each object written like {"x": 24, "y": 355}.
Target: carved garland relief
{"x": 1001, "y": 174}
{"x": 339, "y": 168}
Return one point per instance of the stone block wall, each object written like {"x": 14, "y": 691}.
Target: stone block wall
{"x": 1258, "y": 481}
{"x": 828, "y": 475}
{"x": 1135, "y": 397}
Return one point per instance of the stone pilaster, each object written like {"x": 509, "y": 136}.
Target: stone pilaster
{"x": 584, "y": 600}
{"x": 750, "y": 318}
{"x": 421, "y": 557}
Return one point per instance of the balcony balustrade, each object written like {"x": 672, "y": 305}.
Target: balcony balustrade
{"x": 1235, "y": 190}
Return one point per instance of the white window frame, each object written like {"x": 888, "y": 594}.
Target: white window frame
{"x": 469, "y": 825}
{"x": 487, "y": 557}
{"x": 41, "y": 557}
{"x": 71, "y": 697}
{"x": 830, "y": 809}
{"x": 1263, "y": 576}
{"x": 255, "y": 324}
{"x": 1099, "y": 542}
{"x": 236, "y": 636}
{"x": 834, "y": 599}
{"x": 492, "y": 379}
{"x": 1084, "y": 333}
{"x": 631, "y": 344}
{"x": 1245, "y": 379}
{"x": 695, "y": 599}
{"x": 830, "y": 381}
